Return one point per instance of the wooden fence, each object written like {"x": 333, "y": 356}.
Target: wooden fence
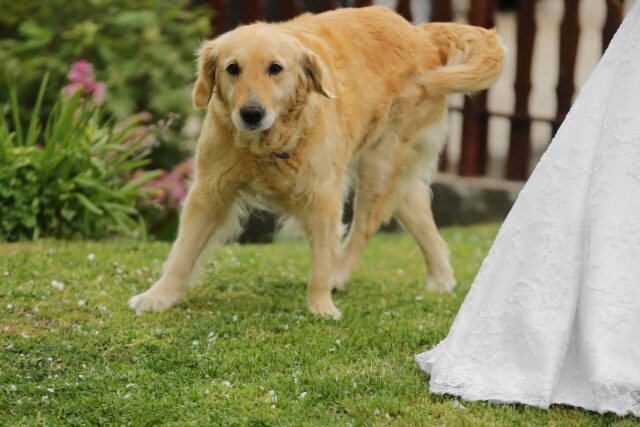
{"x": 473, "y": 159}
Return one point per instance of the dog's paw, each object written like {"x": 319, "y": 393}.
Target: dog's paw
{"x": 325, "y": 307}
{"x": 441, "y": 284}
{"x": 153, "y": 300}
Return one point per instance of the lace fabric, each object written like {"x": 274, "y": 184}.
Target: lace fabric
{"x": 553, "y": 315}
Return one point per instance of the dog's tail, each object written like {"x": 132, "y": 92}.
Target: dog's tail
{"x": 472, "y": 58}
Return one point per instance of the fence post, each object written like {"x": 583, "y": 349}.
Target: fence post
{"x": 323, "y": 5}
{"x": 442, "y": 11}
{"x": 473, "y": 153}
{"x": 288, "y": 9}
{"x": 404, "y": 9}
{"x": 251, "y": 11}
{"x": 569, "y": 34}
{"x": 520, "y": 137}
{"x": 219, "y": 17}
{"x": 612, "y": 21}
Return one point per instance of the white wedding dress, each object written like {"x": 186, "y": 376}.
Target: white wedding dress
{"x": 554, "y": 313}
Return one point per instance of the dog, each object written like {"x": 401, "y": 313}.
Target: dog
{"x": 301, "y": 111}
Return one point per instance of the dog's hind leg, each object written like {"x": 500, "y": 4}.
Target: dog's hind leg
{"x": 378, "y": 178}
{"x": 414, "y": 212}
{"x": 387, "y": 175}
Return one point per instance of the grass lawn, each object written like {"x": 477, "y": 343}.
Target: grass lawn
{"x": 241, "y": 349}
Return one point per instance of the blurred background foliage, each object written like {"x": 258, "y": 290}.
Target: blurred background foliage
{"x": 142, "y": 56}
{"x": 142, "y": 50}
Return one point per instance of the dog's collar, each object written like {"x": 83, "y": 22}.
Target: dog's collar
{"x": 284, "y": 155}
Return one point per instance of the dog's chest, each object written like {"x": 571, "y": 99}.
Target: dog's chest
{"x": 276, "y": 177}
{"x": 265, "y": 195}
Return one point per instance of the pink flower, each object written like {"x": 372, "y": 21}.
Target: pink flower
{"x": 81, "y": 77}
{"x": 81, "y": 68}
{"x": 98, "y": 93}
{"x": 171, "y": 187}
{"x": 81, "y": 72}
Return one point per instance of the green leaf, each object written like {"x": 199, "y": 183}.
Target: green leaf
{"x": 129, "y": 166}
{"x": 15, "y": 112}
{"x": 87, "y": 204}
{"x": 99, "y": 187}
{"x": 33, "y": 131}
{"x": 123, "y": 208}
{"x": 63, "y": 122}
{"x": 6, "y": 141}
{"x": 135, "y": 183}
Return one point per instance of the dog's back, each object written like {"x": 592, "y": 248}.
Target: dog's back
{"x": 375, "y": 56}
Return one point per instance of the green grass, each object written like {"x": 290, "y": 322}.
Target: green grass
{"x": 241, "y": 349}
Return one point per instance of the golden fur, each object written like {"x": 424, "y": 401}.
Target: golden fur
{"x": 362, "y": 95}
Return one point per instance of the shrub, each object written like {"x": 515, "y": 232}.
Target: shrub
{"x": 73, "y": 175}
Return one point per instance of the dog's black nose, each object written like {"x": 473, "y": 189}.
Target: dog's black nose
{"x": 252, "y": 113}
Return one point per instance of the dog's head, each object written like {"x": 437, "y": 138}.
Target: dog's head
{"x": 254, "y": 74}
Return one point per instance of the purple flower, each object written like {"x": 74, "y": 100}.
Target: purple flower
{"x": 171, "y": 187}
{"x": 81, "y": 77}
{"x": 82, "y": 68}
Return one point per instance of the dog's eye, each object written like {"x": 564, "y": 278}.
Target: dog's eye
{"x": 233, "y": 69}
{"x": 275, "y": 68}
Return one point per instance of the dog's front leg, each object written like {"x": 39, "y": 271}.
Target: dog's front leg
{"x": 205, "y": 214}
{"x": 320, "y": 221}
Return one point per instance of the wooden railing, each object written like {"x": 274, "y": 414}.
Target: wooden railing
{"x": 473, "y": 158}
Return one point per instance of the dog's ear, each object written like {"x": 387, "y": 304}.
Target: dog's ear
{"x": 318, "y": 74}
{"x": 206, "y": 74}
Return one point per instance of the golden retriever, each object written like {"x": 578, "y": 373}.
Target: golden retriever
{"x": 298, "y": 111}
